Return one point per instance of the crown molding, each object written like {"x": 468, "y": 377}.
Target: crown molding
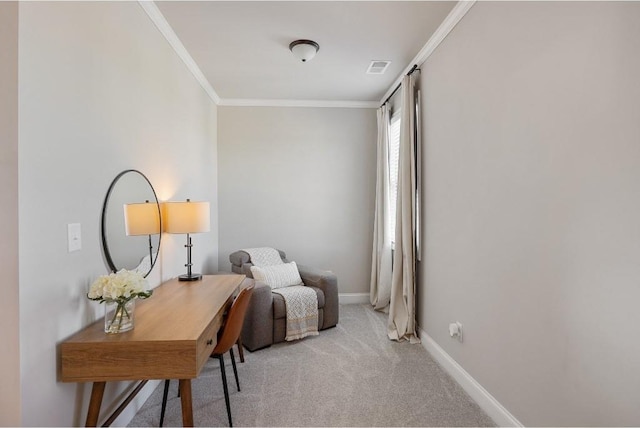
{"x": 245, "y": 102}
{"x": 165, "y": 29}
{"x": 456, "y": 14}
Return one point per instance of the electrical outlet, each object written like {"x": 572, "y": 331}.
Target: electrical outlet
{"x": 455, "y": 330}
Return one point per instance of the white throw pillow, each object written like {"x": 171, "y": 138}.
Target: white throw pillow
{"x": 277, "y": 276}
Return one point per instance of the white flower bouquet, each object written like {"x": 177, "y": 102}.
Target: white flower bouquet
{"x": 119, "y": 289}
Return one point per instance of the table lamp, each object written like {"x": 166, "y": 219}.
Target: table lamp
{"x": 186, "y": 217}
{"x": 142, "y": 219}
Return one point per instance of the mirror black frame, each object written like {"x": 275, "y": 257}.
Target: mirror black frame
{"x": 103, "y": 229}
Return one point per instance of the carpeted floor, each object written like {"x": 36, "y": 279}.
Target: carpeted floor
{"x": 350, "y": 375}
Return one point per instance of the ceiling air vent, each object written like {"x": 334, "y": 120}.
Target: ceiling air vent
{"x": 378, "y": 67}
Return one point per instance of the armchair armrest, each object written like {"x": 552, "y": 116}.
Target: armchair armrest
{"x": 328, "y": 283}
{"x": 257, "y": 330}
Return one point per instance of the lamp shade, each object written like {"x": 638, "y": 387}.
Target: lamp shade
{"x": 186, "y": 217}
{"x": 141, "y": 219}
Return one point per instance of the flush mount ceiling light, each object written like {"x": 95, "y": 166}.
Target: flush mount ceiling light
{"x": 304, "y": 50}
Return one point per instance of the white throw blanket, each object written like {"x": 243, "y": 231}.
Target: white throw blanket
{"x": 301, "y": 302}
{"x": 302, "y": 311}
{"x": 264, "y": 256}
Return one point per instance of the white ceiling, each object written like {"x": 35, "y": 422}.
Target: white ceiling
{"x": 242, "y": 47}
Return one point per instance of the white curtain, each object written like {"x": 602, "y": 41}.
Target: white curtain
{"x": 380, "y": 290}
{"x": 402, "y": 317}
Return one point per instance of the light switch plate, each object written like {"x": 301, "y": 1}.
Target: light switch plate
{"x": 74, "y": 237}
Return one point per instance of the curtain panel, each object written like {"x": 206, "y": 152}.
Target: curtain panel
{"x": 402, "y": 318}
{"x": 380, "y": 288}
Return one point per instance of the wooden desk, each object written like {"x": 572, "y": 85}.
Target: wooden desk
{"x": 175, "y": 332}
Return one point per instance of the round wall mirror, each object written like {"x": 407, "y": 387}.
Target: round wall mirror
{"x": 131, "y": 223}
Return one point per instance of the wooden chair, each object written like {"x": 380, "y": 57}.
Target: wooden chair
{"x": 228, "y": 336}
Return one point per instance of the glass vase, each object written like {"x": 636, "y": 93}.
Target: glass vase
{"x": 119, "y": 317}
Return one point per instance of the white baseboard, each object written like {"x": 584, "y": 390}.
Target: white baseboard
{"x": 486, "y": 401}
{"x": 353, "y": 298}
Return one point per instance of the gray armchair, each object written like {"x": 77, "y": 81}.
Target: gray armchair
{"x": 265, "y": 320}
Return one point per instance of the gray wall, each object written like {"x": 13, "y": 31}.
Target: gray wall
{"x": 302, "y": 180}
{"x": 532, "y": 207}
{"x": 101, "y": 91}
{"x": 10, "y": 349}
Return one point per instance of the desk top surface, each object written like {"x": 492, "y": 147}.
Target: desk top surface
{"x": 177, "y": 310}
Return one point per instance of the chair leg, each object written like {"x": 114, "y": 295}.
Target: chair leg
{"x": 224, "y": 386}
{"x": 240, "y": 349}
{"x": 164, "y": 400}
{"x": 235, "y": 370}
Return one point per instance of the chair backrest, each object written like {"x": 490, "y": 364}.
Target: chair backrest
{"x": 233, "y": 321}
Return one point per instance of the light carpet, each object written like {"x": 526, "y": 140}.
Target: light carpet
{"x": 350, "y": 375}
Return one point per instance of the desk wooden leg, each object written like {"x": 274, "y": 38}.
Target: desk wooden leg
{"x": 185, "y": 398}
{"x": 94, "y": 405}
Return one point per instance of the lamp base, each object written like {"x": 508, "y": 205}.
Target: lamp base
{"x": 190, "y": 277}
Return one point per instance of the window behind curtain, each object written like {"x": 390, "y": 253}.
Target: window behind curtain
{"x": 394, "y": 155}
